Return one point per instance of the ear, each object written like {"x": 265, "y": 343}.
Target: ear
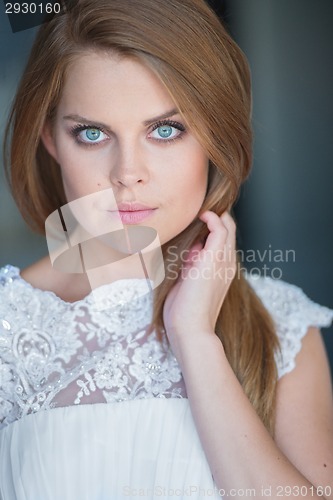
{"x": 48, "y": 140}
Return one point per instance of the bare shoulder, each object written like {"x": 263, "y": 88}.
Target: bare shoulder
{"x": 42, "y": 275}
{"x": 304, "y": 412}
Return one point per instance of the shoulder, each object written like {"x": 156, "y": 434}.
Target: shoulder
{"x": 13, "y": 280}
{"x": 8, "y": 275}
{"x": 36, "y": 274}
{"x": 17, "y": 291}
{"x": 293, "y": 313}
{"x": 285, "y": 301}
{"x": 304, "y": 404}
{"x": 42, "y": 277}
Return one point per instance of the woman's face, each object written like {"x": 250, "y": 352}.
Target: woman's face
{"x": 118, "y": 131}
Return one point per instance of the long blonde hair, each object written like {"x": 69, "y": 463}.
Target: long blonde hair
{"x": 207, "y": 76}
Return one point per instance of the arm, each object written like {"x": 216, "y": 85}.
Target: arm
{"x": 304, "y": 413}
{"x": 240, "y": 451}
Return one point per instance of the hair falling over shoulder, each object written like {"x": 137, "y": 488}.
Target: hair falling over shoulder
{"x": 207, "y": 76}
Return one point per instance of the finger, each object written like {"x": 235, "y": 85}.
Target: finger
{"x": 192, "y": 253}
{"x": 192, "y": 257}
{"x": 222, "y": 239}
{"x": 228, "y": 221}
{"x": 230, "y": 247}
{"x": 230, "y": 225}
{"x": 218, "y": 232}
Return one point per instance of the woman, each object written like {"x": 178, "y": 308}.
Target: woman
{"x": 130, "y": 115}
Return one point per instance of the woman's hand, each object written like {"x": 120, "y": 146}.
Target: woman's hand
{"x": 194, "y": 303}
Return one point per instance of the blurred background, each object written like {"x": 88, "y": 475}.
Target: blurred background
{"x": 285, "y": 211}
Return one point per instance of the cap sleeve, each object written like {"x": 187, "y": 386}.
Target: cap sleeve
{"x": 293, "y": 313}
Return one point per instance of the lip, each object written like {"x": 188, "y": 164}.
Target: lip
{"x": 132, "y": 207}
{"x": 132, "y": 213}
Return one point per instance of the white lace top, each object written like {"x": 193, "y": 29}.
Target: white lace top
{"x": 93, "y": 408}
{"x": 54, "y": 353}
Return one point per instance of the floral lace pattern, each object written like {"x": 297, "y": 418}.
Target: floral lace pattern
{"x": 54, "y": 353}
{"x": 293, "y": 313}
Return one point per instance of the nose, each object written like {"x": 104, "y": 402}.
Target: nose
{"x": 128, "y": 166}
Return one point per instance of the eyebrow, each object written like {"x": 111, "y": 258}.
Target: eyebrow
{"x": 146, "y": 123}
{"x": 168, "y": 114}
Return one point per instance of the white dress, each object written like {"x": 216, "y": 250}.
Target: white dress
{"x": 91, "y": 408}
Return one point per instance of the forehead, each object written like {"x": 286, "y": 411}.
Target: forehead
{"x": 100, "y": 82}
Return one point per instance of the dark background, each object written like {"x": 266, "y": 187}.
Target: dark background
{"x": 287, "y": 203}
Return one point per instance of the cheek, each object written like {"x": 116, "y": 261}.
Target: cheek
{"x": 71, "y": 181}
{"x": 194, "y": 178}
{"x": 186, "y": 187}
{"x": 77, "y": 175}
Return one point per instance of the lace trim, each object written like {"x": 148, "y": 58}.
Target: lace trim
{"x": 54, "y": 353}
{"x": 293, "y": 313}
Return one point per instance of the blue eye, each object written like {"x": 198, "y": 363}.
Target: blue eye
{"x": 164, "y": 131}
{"x": 167, "y": 131}
{"x": 92, "y": 134}
{"x": 88, "y": 135}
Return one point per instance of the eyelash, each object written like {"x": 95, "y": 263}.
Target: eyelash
{"x": 169, "y": 123}
{"x": 77, "y": 129}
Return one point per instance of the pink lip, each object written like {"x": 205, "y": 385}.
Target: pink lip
{"x": 132, "y": 213}
{"x": 132, "y": 207}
